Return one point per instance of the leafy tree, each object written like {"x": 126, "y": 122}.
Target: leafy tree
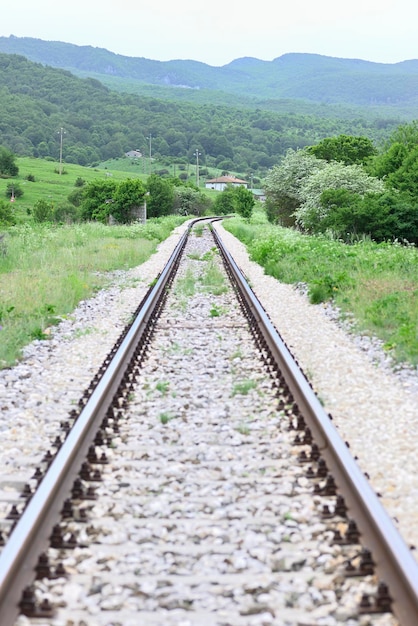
{"x": 389, "y": 161}
{"x": 161, "y": 196}
{"x": 97, "y": 199}
{"x": 345, "y": 148}
{"x": 244, "y": 201}
{"x": 383, "y": 217}
{"x": 43, "y": 211}
{"x": 14, "y": 189}
{"x": 224, "y": 203}
{"x": 333, "y": 176}
{"x": 405, "y": 177}
{"x": 129, "y": 195}
{"x": 8, "y": 166}
{"x": 284, "y": 183}
{"x": 190, "y": 201}
{"x": 7, "y": 217}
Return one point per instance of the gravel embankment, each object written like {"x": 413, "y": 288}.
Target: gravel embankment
{"x": 372, "y": 409}
{"x": 203, "y": 517}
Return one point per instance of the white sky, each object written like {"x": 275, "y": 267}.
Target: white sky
{"x": 219, "y": 31}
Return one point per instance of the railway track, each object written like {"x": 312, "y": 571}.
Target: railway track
{"x": 223, "y": 493}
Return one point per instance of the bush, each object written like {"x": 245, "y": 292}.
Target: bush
{"x": 383, "y": 217}
{"x": 6, "y": 214}
{"x": 43, "y": 211}
{"x": 66, "y": 213}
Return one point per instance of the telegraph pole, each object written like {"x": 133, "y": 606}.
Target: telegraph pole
{"x": 62, "y": 133}
{"x": 197, "y": 154}
{"x": 150, "y": 152}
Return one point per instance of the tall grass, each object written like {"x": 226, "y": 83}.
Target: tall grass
{"x": 46, "y": 270}
{"x": 375, "y": 284}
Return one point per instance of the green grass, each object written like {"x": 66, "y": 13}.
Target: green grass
{"x": 49, "y": 185}
{"x": 46, "y": 270}
{"x": 376, "y": 284}
{"x": 213, "y": 280}
{"x": 243, "y": 387}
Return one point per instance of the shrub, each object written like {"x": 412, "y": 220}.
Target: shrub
{"x": 43, "y": 211}
{"x": 6, "y": 214}
{"x": 66, "y": 213}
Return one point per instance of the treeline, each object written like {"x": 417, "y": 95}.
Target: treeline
{"x": 345, "y": 187}
{"x": 99, "y": 124}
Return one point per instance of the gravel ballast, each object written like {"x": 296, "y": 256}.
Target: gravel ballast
{"x": 40, "y": 391}
{"x": 373, "y": 409}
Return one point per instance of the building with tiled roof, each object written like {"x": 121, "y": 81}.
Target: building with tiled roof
{"x": 223, "y": 181}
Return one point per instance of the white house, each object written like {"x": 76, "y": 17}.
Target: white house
{"x": 223, "y": 181}
{"x": 133, "y": 154}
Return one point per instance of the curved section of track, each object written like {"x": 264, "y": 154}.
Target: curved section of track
{"x": 32, "y": 532}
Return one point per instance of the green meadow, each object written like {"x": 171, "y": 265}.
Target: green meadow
{"x": 374, "y": 285}
{"x": 50, "y": 185}
{"x": 45, "y": 270}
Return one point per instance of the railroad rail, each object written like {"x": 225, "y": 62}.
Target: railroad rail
{"x": 396, "y": 568}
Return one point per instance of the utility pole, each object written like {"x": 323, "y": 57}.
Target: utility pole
{"x": 150, "y": 152}
{"x": 61, "y": 133}
{"x": 197, "y": 154}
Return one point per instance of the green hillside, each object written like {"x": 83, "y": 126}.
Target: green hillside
{"x": 100, "y": 124}
{"x": 312, "y": 77}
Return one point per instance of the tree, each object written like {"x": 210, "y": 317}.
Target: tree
{"x": 224, "y": 203}
{"x": 128, "y": 197}
{"x": 405, "y": 177}
{"x": 382, "y": 217}
{"x": 333, "y": 176}
{"x": 97, "y": 199}
{"x": 161, "y": 196}
{"x": 8, "y": 166}
{"x": 190, "y": 201}
{"x": 389, "y": 161}
{"x": 347, "y": 149}
{"x": 244, "y": 201}
{"x": 284, "y": 182}
{"x": 14, "y": 190}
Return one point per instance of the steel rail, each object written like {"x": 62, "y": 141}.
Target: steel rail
{"x": 394, "y": 561}
{"x": 32, "y": 532}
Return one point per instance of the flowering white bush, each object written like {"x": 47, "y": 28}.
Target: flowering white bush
{"x": 332, "y": 176}
{"x": 284, "y": 182}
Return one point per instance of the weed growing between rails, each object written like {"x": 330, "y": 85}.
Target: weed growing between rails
{"x": 375, "y": 285}
{"x": 47, "y": 270}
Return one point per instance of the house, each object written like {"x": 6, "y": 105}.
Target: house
{"x": 259, "y": 194}
{"x": 223, "y": 181}
{"x": 133, "y": 154}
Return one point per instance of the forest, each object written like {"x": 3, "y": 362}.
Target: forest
{"x": 98, "y": 124}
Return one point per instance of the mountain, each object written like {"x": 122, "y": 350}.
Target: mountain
{"x": 309, "y": 77}
{"x": 101, "y": 123}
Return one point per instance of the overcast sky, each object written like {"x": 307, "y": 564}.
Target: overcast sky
{"x": 219, "y": 31}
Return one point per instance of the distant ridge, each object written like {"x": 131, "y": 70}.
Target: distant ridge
{"x": 309, "y": 77}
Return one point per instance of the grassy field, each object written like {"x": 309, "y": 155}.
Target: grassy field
{"x": 52, "y": 186}
{"x": 375, "y": 285}
{"x": 45, "y": 270}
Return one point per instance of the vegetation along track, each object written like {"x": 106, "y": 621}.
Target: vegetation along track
{"x": 201, "y": 482}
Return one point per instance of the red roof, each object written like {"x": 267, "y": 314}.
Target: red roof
{"x": 227, "y": 179}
